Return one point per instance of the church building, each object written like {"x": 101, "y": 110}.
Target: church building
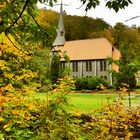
{"x": 88, "y": 56}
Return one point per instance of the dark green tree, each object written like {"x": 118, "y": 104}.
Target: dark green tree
{"x": 127, "y": 69}
{"x": 55, "y": 67}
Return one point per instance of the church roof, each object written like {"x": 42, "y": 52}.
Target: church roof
{"x": 87, "y": 49}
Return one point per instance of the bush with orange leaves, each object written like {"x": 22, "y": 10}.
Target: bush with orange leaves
{"x": 24, "y": 117}
{"x": 113, "y": 122}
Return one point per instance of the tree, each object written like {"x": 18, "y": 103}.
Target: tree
{"x": 78, "y": 27}
{"x": 127, "y": 69}
{"x": 127, "y": 40}
{"x": 55, "y": 67}
{"x": 40, "y": 64}
{"x": 123, "y": 34}
{"x": 111, "y": 4}
{"x": 13, "y": 69}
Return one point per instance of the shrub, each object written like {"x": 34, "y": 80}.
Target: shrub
{"x": 90, "y": 83}
{"x": 127, "y": 79}
{"x": 96, "y": 82}
{"x": 45, "y": 87}
{"x": 112, "y": 122}
{"x": 81, "y": 83}
{"x": 23, "y": 117}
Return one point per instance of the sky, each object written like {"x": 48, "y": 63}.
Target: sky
{"x": 109, "y": 16}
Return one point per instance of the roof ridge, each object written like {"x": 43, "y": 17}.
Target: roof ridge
{"x": 87, "y": 39}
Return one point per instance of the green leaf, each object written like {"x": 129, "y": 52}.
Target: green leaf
{"x": 109, "y": 4}
{"x": 130, "y": 1}
{"x": 1, "y": 135}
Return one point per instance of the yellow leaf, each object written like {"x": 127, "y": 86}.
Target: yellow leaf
{"x": 9, "y": 75}
{"x": 15, "y": 112}
{"x": 31, "y": 106}
{"x": 0, "y": 53}
{"x": 138, "y": 125}
{"x": 8, "y": 87}
{"x": 116, "y": 138}
{"x": 6, "y": 125}
{"x": 125, "y": 126}
{"x": 129, "y": 134}
{"x": 77, "y": 113}
{"x": 7, "y": 129}
{"x": 11, "y": 95}
{"x": 1, "y": 119}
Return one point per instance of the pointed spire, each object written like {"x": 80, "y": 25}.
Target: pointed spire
{"x": 60, "y": 38}
{"x": 61, "y": 20}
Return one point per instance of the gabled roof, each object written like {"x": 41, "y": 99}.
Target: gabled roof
{"x": 87, "y": 49}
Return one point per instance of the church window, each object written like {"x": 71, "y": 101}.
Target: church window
{"x": 88, "y": 66}
{"x": 103, "y": 65}
{"x": 75, "y": 66}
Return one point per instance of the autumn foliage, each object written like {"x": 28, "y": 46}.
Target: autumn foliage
{"x": 14, "y": 72}
{"x": 113, "y": 122}
{"x": 24, "y": 117}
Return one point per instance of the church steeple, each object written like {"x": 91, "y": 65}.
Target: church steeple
{"x": 60, "y": 38}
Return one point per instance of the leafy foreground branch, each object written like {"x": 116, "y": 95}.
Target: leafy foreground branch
{"x": 26, "y": 118}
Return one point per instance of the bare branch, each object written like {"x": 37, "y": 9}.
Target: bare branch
{"x": 80, "y": 6}
{"x": 132, "y": 18}
{"x": 56, "y": 4}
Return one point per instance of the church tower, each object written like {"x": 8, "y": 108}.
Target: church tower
{"x": 60, "y": 38}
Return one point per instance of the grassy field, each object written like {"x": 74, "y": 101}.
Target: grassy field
{"x": 85, "y": 102}
{"x": 88, "y": 102}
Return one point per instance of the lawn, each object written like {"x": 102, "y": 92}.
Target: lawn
{"x": 86, "y": 102}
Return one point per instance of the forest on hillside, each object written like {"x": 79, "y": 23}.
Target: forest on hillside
{"x": 76, "y": 27}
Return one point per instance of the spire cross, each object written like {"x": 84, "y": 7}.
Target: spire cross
{"x": 61, "y": 4}
{"x": 57, "y": 4}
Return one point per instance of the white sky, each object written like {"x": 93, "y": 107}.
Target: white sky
{"x": 110, "y": 16}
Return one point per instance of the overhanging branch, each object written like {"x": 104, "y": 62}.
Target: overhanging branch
{"x": 40, "y": 28}
{"x": 16, "y": 20}
{"x": 13, "y": 43}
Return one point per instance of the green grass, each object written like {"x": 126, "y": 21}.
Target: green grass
{"x": 84, "y": 102}
{"x": 88, "y": 102}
